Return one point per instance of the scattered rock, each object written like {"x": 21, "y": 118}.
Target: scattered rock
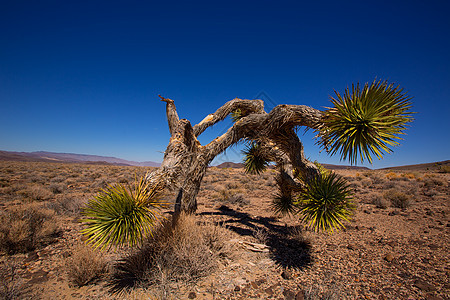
{"x": 424, "y": 286}
{"x": 300, "y": 295}
{"x": 32, "y": 256}
{"x": 433, "y": 246}
{"x": 389, "y": 257}
{"x": 39, "y": 276}
{"x": 432, "y": 297}
{"x": 269, "y": 291}
{"x": 286, "y": 274}
{"x": 288, "y": 294}
{"x": 332, "y": 246}
{"x": 237, "y": 288}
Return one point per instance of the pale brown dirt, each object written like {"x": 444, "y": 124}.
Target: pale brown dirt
{"x": 384, "y": 253}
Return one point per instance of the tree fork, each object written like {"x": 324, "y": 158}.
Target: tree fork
{"x": 186, "y": 160}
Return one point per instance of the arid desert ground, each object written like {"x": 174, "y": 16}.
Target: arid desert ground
{"x": 234, "y": 247}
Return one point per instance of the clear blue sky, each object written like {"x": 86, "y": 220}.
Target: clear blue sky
{"x": 84, "y": 76}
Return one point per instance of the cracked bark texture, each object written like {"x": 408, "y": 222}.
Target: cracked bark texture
{"x": 186, "y": 160}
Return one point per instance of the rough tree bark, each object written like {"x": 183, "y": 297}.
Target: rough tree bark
{"x": 186, "y": 160}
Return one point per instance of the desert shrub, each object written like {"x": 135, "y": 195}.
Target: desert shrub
{"x": 36, "y": 193}
{"x": 100, "y": 184}
{"x": 376, "y": 178}
{"x": 430, "y": 192}
{"x": 58, "y": 179}
{"x": 389, "y": 185}
{"x": 398, "y": 199}
{"x": 444, "y": 168}
{"x": 366, "y": 182}
{"x": 57, "y": 188}
{"x": 231, "y": 196}
{"x": 232, "y": 185}
{"x": 96, "y": 175}
{"x": 85, "y": 265}
{"x": 10, "y": 282}
{"x": 183, "y": 253}
{"x": 261, "y": 235}
{"x": 24, "y": 229}
{"x": 315, "y": 292}
{"x": 432, "y": 181}
{"x": 379, "y": 202}
{"x": 4, "y": 182}
{"x": 409, "y": 175}
{"x": 391, "y": 175}
{"x": 68, "y": 205}
{"x": 356, "y": 185}
{"x": 299, "y": 235}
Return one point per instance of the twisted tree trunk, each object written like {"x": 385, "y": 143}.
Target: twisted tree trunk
{"x": 186, "y": 160}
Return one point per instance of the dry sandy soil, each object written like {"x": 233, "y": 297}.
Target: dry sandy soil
{"x": 395, "y": 247}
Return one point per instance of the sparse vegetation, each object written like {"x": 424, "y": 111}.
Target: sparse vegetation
{"x": 183, "y": 253}
{"x": 24, "y": 229}
{"x": 252, "y": 222}
{"x": 85, "y": 265}
{"x": 398, "y": 199}
{"x": 10, "y": 282}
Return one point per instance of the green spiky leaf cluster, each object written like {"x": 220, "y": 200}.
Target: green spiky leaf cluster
{"x": 326, "y": 202}
{"x": 365, "y": 121}
{"x": 254, "y": 159}
{"x": 283, "y": 204}
{"x": 121, "y": 214}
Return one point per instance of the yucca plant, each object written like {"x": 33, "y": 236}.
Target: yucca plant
{"x": 326, "y": 202}
{"x": 365, "y": 121}
{"x": 122, "y": 214}
{"x": 254, "y": 160}
{"x": 283, "y": 204}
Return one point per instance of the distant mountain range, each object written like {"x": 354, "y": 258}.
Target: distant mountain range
{"x": 44, "y": 156}
{"x": 71, "y": 158}
{"x": 328, "y": 166}
{"x": 435, "y": 166}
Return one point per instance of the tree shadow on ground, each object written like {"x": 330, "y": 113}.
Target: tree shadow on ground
{"x": 286, "y": 249}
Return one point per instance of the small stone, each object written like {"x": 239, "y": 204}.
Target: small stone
{"x": 433, "y": 246}
{"x": 237, "y": 288}
{"x": 192, "y": 295}
{"x": 39, "y": 276}
{"x": 254, "y": 285}
{"x": 286, "y": 274}
{"x": 269, "y": 291}
{"x": 32, "y": 256}
{"x": 389, "y": 257}
{"x": 367, "y": 212}
{"x": 424, "y": 286}
{"x": 300, "y": 295}
{"x": 288, "y": 294}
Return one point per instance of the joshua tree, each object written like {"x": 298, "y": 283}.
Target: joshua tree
{"x": 362, "y": 122}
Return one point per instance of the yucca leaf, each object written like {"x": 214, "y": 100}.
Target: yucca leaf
{"x": 254, "y": 159}
{"x": 121, "y": 215}
{"x": 365, "y": 121}
{"x": 326, "y": 202}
